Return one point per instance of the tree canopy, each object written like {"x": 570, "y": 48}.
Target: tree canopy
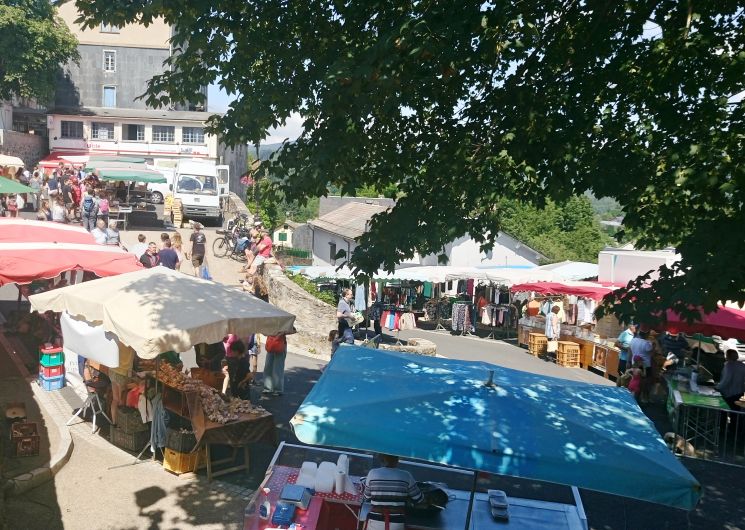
{"x": 34, "y": 43}
{"x": 464, "y": 103}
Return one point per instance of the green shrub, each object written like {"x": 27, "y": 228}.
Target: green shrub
{"x": 312, "y": 288}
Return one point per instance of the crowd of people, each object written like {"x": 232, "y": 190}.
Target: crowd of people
{"x": 66, "y": 195}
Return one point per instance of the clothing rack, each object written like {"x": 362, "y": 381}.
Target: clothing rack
{"x": 471, "y": 324}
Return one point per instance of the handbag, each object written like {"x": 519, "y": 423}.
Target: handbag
{"x": 552, "y": 346}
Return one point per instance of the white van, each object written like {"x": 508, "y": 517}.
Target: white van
{"x": 202, "y": 187}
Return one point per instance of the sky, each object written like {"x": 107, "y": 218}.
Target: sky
{"x": 218, "y": 101}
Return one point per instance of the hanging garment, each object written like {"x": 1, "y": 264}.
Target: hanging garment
{"x": 534, "y": 308}
{"x": 360, "y": 299}
{"x": 469, "y": 287}
{"x": 158, "y": 431}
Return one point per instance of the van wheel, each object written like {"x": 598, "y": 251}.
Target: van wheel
{"x": 157, "y": 197}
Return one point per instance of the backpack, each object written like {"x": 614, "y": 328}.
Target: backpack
{"x": 275, "y": 344}
{"x": 88, "y": 204}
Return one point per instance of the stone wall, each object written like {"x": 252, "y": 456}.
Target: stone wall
{"x": 28, "y": 147}
{"x": 313, "y": 318}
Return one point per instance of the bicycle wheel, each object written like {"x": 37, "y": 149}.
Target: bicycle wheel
{"x": 220, "y": 247}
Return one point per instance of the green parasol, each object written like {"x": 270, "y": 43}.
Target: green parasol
{"x": 126, "y": 172}
{"x": 13, "y": 186}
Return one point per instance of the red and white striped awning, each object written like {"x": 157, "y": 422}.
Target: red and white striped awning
{"x": 32, "y": 250}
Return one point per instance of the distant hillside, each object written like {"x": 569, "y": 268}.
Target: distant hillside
{"x": 265, "y": 151}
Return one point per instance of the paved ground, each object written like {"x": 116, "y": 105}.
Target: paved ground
{"x": 97, "y": 489}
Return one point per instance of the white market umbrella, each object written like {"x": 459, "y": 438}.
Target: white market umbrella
{"x": 7, "y": 160}
{"x": 157, "y": 310}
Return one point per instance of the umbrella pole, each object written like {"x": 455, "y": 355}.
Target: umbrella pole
{"x": 470, "y": 501}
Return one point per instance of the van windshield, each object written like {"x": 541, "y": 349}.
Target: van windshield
{"x": 197, "y": 184}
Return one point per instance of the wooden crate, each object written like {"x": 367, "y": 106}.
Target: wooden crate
{"x": 570, "y": 360}
{"x": 537, "y": 338}
{"x": 537, "y": 349}
{"x": 179, "y": 463}
{"x": 566, "y": 346}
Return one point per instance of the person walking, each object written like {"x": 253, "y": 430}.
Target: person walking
{"x": 168, "y": 256}
{"x": 344, "y": 310}
{"x": 35, "y": 184}
{"x": 198, "y": 249}
{"x": 274, "y": 364}
{"x": 177, "y": 244}
{"x": 89, "y": 210}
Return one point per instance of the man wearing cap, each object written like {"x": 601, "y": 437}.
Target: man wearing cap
{"x": 623, "y": 342}
{"x": 198, "y": 248}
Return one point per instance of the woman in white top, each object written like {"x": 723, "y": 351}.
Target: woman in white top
{"x": 35, "y": 184}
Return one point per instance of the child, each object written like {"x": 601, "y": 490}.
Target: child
{"x": 239, "y": 371}
{"x": 254, "y": 349}
{"x": 334, "y": 340}
{"x": 637, "y": 372}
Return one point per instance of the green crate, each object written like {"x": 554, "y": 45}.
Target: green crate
{"x": 51, "y": 357}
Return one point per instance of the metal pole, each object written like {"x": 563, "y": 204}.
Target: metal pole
{"x": 470, "y": 501}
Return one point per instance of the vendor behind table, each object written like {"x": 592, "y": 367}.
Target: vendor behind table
{"x": 388, "y": 489}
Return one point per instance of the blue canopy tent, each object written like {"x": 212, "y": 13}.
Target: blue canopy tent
{"x": 520, "y": 424}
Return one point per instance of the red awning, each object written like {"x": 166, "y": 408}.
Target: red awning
{"x": 32, "y": 250}
{"x": 68, "y": 158}
{"x": 591, "y": 290}
{"x": 727, "y": 322}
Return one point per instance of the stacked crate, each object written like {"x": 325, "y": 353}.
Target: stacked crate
{"x": 51, "y": 368}
{"x": 130, "y": 433}
{"x": 568, "y": 354}
{"x": 537, "y": 343}
{"x": 180, "y": 455}
{"x": 178, "y": 213}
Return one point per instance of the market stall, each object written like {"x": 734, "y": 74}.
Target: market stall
{"x": 477, "y": 416}
{"x": 33, "y": 250}
{"x": 577, "y": 301}
{"x": 155, "y": 312}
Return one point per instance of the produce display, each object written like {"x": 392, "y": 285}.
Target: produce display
{"x": 214, "y": 405}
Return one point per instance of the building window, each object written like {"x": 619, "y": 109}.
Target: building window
{"x": 164, "y": 133}
{"x": 109, "y": 96}
{"x": 283, "y": 237}
{"x": 134, "y": 132}
{"x": 332, "y": 252}
{"x": 109, "y": 61}
{"x": 109, "y": 28}
{"x": 102, "y": 131}
{"x": 72, "y": 129}
{"x": 193, "y": 135}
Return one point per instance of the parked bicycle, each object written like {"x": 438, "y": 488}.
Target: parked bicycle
{"x": 228, "y": 244}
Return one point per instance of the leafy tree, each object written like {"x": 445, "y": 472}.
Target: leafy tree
{"x": 464, "y": 103}
{"x": 565, "y": 231}
{"x": 34, "y": 43}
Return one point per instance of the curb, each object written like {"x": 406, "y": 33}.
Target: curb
{"x": 58, "y": 459}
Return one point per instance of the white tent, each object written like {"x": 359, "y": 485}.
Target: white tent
{"x": 572, "y": 270}
{"x": 158, "y": 310}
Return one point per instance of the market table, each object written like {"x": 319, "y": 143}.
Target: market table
{"x": 595, "y": 355}
{"x": 248, "y": 428}
{"x": 330, "y": 510}
{"x": 696, "y": 417}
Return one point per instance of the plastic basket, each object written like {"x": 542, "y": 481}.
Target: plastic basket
{"x": 129, "y": 420}
{"x": 182, "y": 442}
{"x": 51, "y": 371}
{"x": 178, "y": 463}
{"x": 51, "y": 357}
{"x": 131, "y": 441}
{"x": 51, "y": 383}
{"x": 570, "y": 360}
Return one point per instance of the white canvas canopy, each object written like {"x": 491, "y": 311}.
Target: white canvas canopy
{"x": 158, "y": 310}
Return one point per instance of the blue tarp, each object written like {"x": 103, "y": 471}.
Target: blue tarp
{"x": 526, "y": 425}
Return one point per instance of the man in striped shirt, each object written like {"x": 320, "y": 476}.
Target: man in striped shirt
{"x": 387, "y": 489}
